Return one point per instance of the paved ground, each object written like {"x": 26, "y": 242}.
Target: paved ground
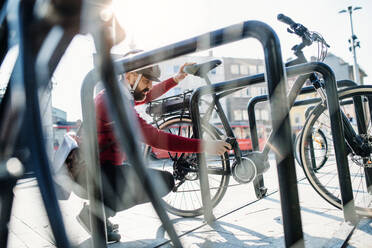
{"x": 241, "y": 221}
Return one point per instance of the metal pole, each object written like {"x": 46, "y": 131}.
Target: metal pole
{"x": 356, "y": 67}
{"x": 353, "y": 43}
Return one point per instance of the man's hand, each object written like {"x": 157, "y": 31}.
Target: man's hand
{"x": 216, "y": 147}
{"x": 181, "y": 74}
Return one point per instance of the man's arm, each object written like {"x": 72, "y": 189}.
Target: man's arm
{"x": 166, "y": 85}
{"x": 174, "y": 143}
{"x": 167, "y": 141}
{"x": 158, "y": 90}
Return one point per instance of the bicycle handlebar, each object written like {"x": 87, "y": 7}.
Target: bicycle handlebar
{"x": 307, "y": 37}
{"x": 286, "y": 19}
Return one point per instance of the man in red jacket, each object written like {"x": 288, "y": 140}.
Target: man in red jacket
{"x": 120, "y": 189}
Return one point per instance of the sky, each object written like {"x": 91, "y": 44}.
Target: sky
{"x": 151, "y": 24}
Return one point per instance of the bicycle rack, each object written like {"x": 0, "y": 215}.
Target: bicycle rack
{"x": 123, "y": 115}
{"x": 360, "y": 118}
{"x": 11, "y": 118}
{"x": 278, "y": 102}
{"x": 293, "y": 227}
{"x": 336, "y": 125}
{"x": 337, "y": 131}
{"x": 262, "y": 98}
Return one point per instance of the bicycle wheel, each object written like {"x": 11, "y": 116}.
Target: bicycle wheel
{"x": 325, "y": 179}
{"x": 185, "y": 200}
{"x": 319, "y": 146}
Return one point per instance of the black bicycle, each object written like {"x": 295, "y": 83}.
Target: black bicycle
{"x": 315, "y": 146}
{"x": 319, "y": 147}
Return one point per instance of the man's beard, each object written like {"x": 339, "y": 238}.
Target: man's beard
{"x": 139, "y": 96}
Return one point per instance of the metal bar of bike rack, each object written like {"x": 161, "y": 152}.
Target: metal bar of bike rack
{"x": 258, "y": 182}
{"x": 342, "y": 83}
{"x": 12, "y": 108}
{"x": 6, "y": 198}
{"x": 90, "y": 146}
{"x": 90, "y": 151}
{"x": 4, "y": 31}
{"x": 337, "y": 132}
{"x": 18, "y": 101}
{"x": 279, "y": 111}
{"x": 35, "y": 143}
{"x": 293, "y": 228}
{"x": 257, "y": 99}
{"x": 198, "y": 43}
{"x": 209, "y": 40}
{"x": 125, "y": 129}
{"x": 119, "y": 106}
{"x": 331, "y": 91}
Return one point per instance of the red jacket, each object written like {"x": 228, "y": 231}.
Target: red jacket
{"x": 152, "y": 136}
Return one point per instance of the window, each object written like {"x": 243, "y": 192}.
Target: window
{"x": 248, "y": 92}
{"x": 244, "y": 69}
{"x": 214, "y": 71}
{"x": 264, "y": 115}
{"x": 234, "y": 69}
{"x": 254, "y": 91}
{"x": 252, "y": 69}
{"x": 237, "y": 115}
{"x": 263, "y": 90}
{"x": 245, "y": 115}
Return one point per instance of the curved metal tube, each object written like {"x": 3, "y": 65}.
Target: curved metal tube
{"x": 276, "y": 78}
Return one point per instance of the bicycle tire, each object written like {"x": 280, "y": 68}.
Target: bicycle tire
{"x": 190, "y": 204}
{"x": 321, "y": 140}
{"x": 325, "y": 180}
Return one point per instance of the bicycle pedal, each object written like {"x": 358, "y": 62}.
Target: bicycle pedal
{"x": 263, "y": 191}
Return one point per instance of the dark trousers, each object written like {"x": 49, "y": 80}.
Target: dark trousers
{"x": 122, "y": 189}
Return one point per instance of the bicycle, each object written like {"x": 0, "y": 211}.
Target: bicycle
{"x": 319, "y": 146}
{"x": 321, "y": 172}
{"x": 175, "y": 118}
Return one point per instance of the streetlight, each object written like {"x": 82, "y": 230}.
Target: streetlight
{"x": 353, "y": 41}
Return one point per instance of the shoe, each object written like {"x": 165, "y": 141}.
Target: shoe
{"x": 112, "y": 229}
{"x": 113, "y": 236}
{"x": 111, "y": 226}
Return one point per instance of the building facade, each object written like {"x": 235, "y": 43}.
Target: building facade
{"x": 235, "y": 105}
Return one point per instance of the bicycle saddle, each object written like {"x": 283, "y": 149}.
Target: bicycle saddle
{"x": 200, "y": 70}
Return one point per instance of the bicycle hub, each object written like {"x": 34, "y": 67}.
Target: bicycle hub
{"x": 250, "y": 167}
